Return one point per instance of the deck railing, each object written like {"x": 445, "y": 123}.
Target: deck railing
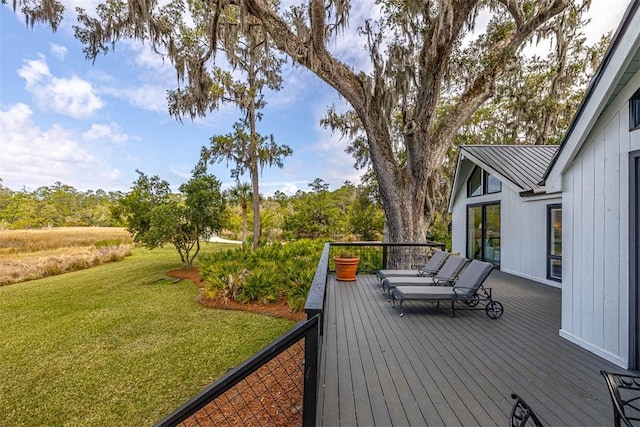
{"x": 377, "y": 255}
{"x": 292, "y": 362}
{"x": 276, "y": 386}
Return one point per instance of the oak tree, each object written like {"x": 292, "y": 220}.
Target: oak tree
{"x": 412, "y": 46}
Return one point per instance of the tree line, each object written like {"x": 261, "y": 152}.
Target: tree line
{"x": 58, "y": 205}
{"x": 150, "y": 209}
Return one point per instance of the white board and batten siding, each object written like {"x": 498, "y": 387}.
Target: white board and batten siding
{"x": 523, "y": 228}
{"x": 595, "y": 234}
{"x": 524, "y": 235}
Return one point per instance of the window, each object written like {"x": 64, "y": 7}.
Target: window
{"x": 482, "y": 182}
{"x": 483, "y": 233}
{"x": 634, "y": 111}
{"x": 474, "y": 185}
{"x": 492, "y": 184}
{"x": 554, "y": 242}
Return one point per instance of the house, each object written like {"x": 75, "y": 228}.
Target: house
{"x": 501, "y": 214}
{"x": 578, "y": 226}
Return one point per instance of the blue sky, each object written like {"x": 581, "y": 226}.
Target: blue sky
{"x": 91, "y": 126}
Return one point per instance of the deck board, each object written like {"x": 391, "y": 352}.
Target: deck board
{"x": 428, "y": 368}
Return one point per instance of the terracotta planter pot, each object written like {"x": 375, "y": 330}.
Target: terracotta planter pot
{"x": 346, "y": 268}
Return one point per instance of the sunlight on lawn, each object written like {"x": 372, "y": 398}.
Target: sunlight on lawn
{"x": 118, "y": 344}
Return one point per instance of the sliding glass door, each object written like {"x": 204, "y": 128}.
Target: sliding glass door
{"x": 483, "y": 233}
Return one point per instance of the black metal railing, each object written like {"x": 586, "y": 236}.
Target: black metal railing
{"x": 279, "y": 385}
{"x": 376, "y": 256}
{"x": 276, "y": 387}
{"x": 315, "y": 298}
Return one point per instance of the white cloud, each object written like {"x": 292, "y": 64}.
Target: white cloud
{"x": 111, "y": 132}
{"x": 350, "y": 44}
{"x": 182, "y": 171}
{"x": 71, "y": 97}
{"x": 32, "y": 157}
{"x": 146, "y": 97}
{"x": 34, "y": 72}
{"x": 289, "y": 188}
{"x": 338, "y": 165}
{"x": 58, "y": 51}
{"x": 156, "y": 64}
{"x": 297, "y": 83}
{"x": 151, "y": 75}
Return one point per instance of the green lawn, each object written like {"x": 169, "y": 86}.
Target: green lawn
{"x": 115, "y": 345}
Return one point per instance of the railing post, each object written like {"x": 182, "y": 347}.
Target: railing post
{"x": 311, "y": 367}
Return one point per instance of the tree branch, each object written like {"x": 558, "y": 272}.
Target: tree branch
{"x": 436, "y": 51}
{"x": 499, "y": 60}
{"x": 317, "y": 16}
{"x": 515, "y": 9}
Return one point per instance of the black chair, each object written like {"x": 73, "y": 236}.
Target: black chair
{"x": 521, "y": 413}
{"x": 624, "y": 390}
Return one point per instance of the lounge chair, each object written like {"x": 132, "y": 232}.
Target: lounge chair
{"x": 432, "y": 267}
{"x": 468, "y": 289}
{"x": 444, "y": 277}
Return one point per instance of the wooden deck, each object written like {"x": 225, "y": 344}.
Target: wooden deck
{"x": 427, "y": 368}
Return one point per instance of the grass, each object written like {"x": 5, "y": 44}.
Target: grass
{"x": 115, "y": 345}
{"x": 33, "y": 254}
{"x": 21, "y": 241}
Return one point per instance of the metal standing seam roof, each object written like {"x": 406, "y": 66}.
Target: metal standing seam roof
{"x": 523, "y": 165}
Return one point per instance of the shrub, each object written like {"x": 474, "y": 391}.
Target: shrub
{"x": 299, "y": 289}
{"x": 268, "y": 274}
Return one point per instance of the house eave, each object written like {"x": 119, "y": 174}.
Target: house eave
{"x": 534, "y": 192}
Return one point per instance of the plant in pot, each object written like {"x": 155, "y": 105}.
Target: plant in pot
{"x": 346, "y": 266}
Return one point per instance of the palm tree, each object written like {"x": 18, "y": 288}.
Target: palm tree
{"x": 241, "y": 194}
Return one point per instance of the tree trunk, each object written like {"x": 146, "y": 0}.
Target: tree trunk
{"x": 253, "y": 171}
{"x": 256, "y": 205}
{"x": 244, "y": 222}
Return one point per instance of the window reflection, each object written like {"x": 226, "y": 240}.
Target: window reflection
{"x": 482, "y": 182}
{"x": 554, "y": 250}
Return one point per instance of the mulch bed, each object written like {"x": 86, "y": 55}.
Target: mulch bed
{"x": 279, "y": 309}
{"x": 271, "y": 396}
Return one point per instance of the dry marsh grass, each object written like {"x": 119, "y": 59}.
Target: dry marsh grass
{"x": 20, "y": 241}
{"x": 33, "y": 254}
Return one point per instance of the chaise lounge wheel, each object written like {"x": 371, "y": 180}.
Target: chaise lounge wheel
{"x": 473, "y": 301}
{"x": 494, "y": 309}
